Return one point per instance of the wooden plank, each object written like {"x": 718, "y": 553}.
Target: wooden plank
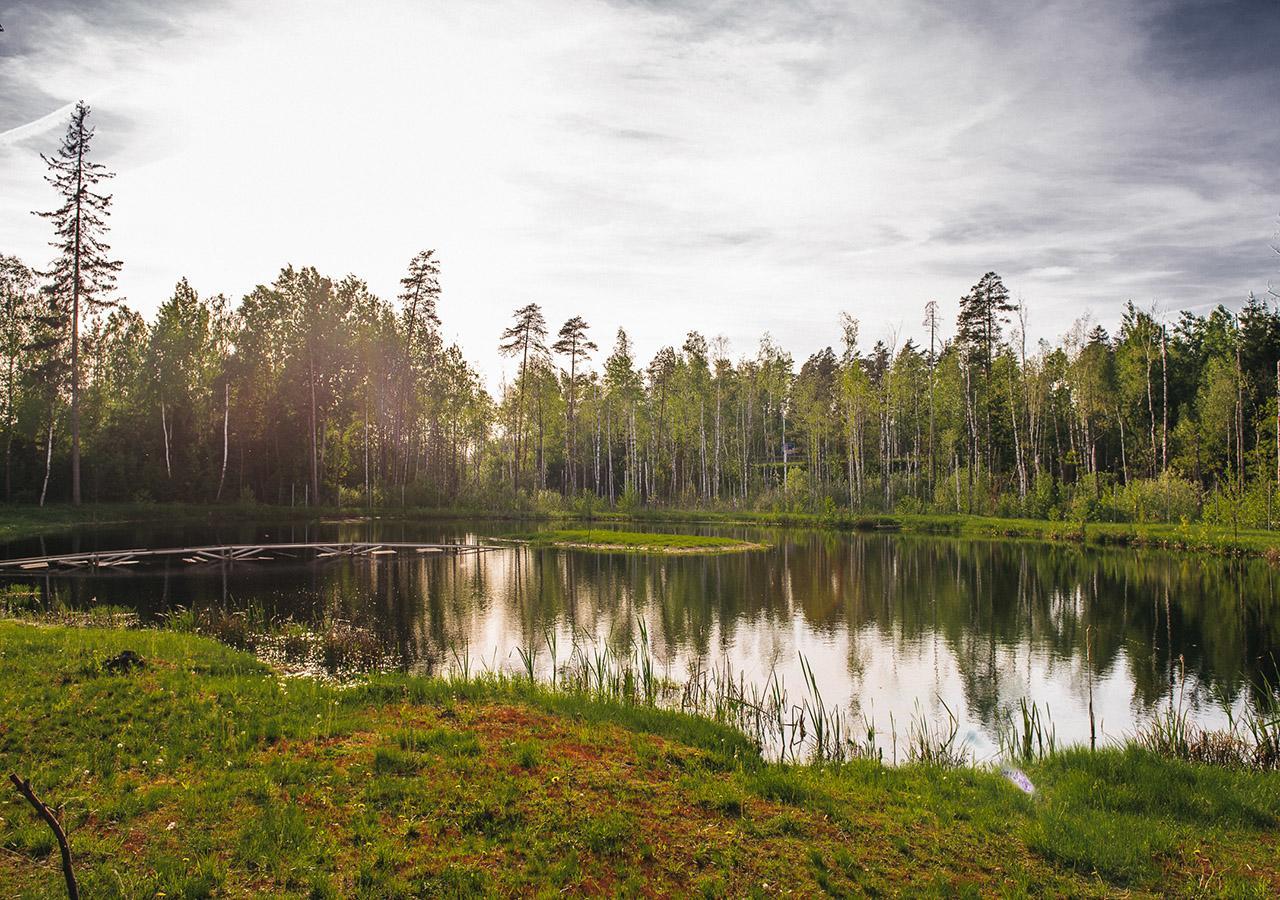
{"x": 234, "y": 552}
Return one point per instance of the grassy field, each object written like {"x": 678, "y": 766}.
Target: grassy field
{"x": 207, "y": 773}
{"x": 632, "y": 541}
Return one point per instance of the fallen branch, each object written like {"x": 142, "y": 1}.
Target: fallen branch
{"x": 24, "y": 788}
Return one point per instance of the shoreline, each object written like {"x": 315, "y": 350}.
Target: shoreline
{"x": 20, "y": 522}
{"x": 643, "y": 543}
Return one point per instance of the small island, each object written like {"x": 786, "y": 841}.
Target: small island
{"x": 607, "y": 541}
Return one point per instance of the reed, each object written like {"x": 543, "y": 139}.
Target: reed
{"x": 1251, "y": 741}
{"x": 1031, "y": 736}
{"x": 801, "y": 730}
{"x": 935, "y": 743}
{"x": 529, "y": 659}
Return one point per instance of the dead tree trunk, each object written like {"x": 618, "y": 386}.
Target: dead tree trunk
{"x": 48, "y": 460}
{"x": 164, "y": 427}
{"x": 226, "y": 422}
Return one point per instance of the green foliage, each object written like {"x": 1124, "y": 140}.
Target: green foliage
{"x": 631, "y": 541}
{"x": 326, "y": 395}
{"x": 309, "y": 788}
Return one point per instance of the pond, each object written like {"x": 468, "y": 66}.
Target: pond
{"x": 894, "y": 627}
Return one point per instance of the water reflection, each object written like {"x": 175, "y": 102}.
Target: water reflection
{"x": 894, "y": 626}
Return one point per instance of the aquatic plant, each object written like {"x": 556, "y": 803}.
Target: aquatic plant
{"x": 936, "y": 744}
{"x": 1250, "y": 741}
{"x": 1029, "y": 737}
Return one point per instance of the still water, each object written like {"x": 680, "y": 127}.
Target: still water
{"x": 894, "y": 626}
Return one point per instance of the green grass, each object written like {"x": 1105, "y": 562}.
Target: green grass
{"x": 24, "y": 521}
{"x": 632, "y": 541}
{"x": 1195, "y": 537}
{"x": 206, "y": 773}
{"x": 20, "y": 521}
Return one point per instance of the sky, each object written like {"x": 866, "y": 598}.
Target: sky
{"x": 731, "y": 168}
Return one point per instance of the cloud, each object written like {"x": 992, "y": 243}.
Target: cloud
{"x": 731, "y": 168}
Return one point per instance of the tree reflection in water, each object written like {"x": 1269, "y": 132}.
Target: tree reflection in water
{"x": 887, "y": 621}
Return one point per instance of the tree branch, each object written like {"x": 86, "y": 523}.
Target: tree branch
{"x": 24, "y": 788}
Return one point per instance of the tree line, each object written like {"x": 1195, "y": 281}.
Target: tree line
{"x": 312, "y": 390}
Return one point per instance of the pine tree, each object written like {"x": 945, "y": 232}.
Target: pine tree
{"x": 83, "y": 275}
{"x": 420, "y": 294}
{"x": 623, "y": 392}
{"x": 982, "y": 311}
{"x": 572, "y": 341}
{"x": 526, "y": 338}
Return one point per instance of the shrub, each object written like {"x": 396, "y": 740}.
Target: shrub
{"x": 1164, "y": 499}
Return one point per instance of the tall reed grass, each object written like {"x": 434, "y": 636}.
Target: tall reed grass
{"x": 1250, "y": 740}
{"x": 803, "y": 728}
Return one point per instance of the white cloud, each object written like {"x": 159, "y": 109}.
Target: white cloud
{"x": 654, "y": 168}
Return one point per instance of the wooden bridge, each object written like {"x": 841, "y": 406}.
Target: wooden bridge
{"x": 230, "y": 553}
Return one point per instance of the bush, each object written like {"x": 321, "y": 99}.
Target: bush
{"x": 908, "y": 506}
{"x": 1164, "y": 499}
{"x": 629, "y": 502}
{"x": 351, "y": 496}
{"x": 1253, "y": 507}
{"x": 548, "y": 502}
{"x": 584, "y": 505}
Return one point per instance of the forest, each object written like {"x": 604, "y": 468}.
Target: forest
{"x": 311, "y": 390}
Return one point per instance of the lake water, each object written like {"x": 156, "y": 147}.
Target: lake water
{"x": 894, "y": 626}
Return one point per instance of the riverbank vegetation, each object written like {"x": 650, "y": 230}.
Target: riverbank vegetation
{"x": 17, "y": 522}
{"x": 632, "y": 541}
{"x": 205, "y": 771}
{"x": 312, "y": 391}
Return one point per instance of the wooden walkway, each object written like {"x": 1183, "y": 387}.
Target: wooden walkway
{"x": 231, "y": 553}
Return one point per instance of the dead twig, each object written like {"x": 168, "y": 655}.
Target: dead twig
{"x": 24, "y": 788}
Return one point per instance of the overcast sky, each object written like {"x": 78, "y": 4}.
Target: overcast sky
{"x": 733, "y": 168}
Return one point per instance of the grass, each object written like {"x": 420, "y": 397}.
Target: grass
{"x": 607, "y": 540}
{"x": 1197, "y": 537}
{"x": 208, "y": 773}
{"x": 21, "y": 521}
{"x": 1194, "y": 537}
{"x": 25, "y": 521}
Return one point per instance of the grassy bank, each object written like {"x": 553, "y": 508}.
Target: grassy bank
{"x": 1196, "y": 537}
{"x": 206, "y": 772}
{"x": 24, "y": 521}
{"x": 31, "y": 521}
{"x": 611, "y": 541}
